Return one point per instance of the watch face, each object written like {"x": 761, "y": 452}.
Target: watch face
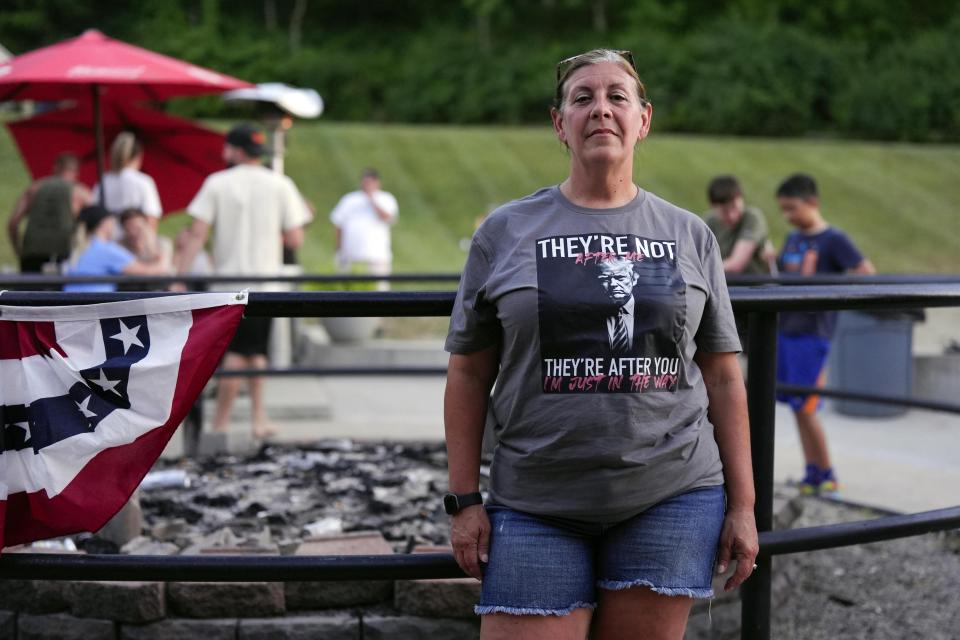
{"x": 450, "y": 504}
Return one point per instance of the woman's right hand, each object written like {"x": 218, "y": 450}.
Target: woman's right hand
{"x": 470, "y": 537}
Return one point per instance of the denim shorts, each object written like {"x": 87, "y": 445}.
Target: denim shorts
{"x": 544, "y": 566}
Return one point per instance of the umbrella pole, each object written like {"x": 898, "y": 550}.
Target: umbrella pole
{"x": 279, "y": 146}
{"x": 98, "y": 136}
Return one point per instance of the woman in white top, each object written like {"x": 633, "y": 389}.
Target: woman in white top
{"x": 125, "y": 186}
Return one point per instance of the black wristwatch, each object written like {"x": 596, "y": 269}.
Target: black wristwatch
{"x": 454, "y": 503}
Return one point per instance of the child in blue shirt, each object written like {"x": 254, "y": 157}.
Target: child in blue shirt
{"x": 803, "y": 340}
{"x": 103, "y": 256}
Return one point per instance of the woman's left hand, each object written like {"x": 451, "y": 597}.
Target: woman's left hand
{"x": 738, "y": 541}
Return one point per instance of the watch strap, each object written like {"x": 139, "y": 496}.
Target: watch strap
{"x": 456, "y": 502}
{"x": 465, "y": 500}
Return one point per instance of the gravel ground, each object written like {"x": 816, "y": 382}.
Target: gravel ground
{"x": 899, "y": 589}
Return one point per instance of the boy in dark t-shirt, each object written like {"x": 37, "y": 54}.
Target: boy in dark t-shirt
{"x": 803, "y": 340}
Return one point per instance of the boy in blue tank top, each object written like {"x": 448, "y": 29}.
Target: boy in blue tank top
{"x": 803, "y": 340}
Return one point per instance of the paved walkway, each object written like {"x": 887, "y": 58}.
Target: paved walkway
{"x": 906, "y": 463}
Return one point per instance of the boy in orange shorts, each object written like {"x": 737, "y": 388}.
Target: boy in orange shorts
{"x": 803, "y": 340}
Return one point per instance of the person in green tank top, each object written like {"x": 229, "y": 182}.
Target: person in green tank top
{"x": 50, "y": 206}
{"x": 741, "y": 231}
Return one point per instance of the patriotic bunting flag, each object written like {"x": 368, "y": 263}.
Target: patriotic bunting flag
{"x": 89, "y": 397}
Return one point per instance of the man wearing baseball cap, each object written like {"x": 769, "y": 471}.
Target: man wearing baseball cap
{"x": 250, "y": 208}
{"x": 246, "y": 137}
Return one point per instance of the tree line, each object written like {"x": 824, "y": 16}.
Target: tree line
{"x": 878, "y": 69}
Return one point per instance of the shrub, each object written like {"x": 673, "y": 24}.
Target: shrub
{"x": 740, "y": 79}
{"x": 909, "y": 91}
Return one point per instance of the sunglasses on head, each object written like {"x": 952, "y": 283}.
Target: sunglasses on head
{"x": 563, "y": 67}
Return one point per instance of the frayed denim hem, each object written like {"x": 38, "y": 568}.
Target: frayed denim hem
{"x": 531, "y": 611}
{"x": 619, "y": 585}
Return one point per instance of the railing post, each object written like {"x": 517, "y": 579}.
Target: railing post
{"x": 761, "y": 384}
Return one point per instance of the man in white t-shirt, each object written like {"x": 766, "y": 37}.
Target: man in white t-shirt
{"x": 254, "y": 212}
{"x": 362, "y": 220}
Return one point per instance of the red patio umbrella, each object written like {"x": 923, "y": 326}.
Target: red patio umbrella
{"x": 178, "y": 154}
{"x": 92, "y": 66}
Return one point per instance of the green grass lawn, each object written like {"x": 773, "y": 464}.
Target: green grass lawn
{"x": 898, "y": 201}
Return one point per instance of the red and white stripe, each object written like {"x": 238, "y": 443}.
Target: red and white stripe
{"x": 78, "y": 483}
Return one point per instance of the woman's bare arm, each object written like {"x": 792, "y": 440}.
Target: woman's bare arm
{"x": 728, "y": 414}
{"x": 469, "y": 380}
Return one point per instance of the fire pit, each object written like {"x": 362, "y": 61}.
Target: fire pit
{"x": 274, "y": 499}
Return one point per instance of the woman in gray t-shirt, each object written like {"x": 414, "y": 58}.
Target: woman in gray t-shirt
{"x": 621, "y": 477}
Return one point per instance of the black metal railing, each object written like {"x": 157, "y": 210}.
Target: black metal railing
{"x": 43, "y": 281}
{"x": 308, "y": 304}
{"x": 928, "y": 404}
{"x": 762, "y": 303}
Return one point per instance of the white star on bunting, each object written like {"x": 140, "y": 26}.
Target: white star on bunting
{"x": 26, "y": 429}
{"x": 105, "y": 384}
{"x": 83, "y": 408}
{"x": 128, "y": 336}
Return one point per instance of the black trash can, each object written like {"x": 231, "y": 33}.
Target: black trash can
{"x": 872, "y": 352}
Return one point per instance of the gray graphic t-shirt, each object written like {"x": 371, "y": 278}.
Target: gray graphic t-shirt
{"x": 601, "y": 411}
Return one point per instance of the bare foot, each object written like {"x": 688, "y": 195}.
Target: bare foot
{"x": 265, "y": 430}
